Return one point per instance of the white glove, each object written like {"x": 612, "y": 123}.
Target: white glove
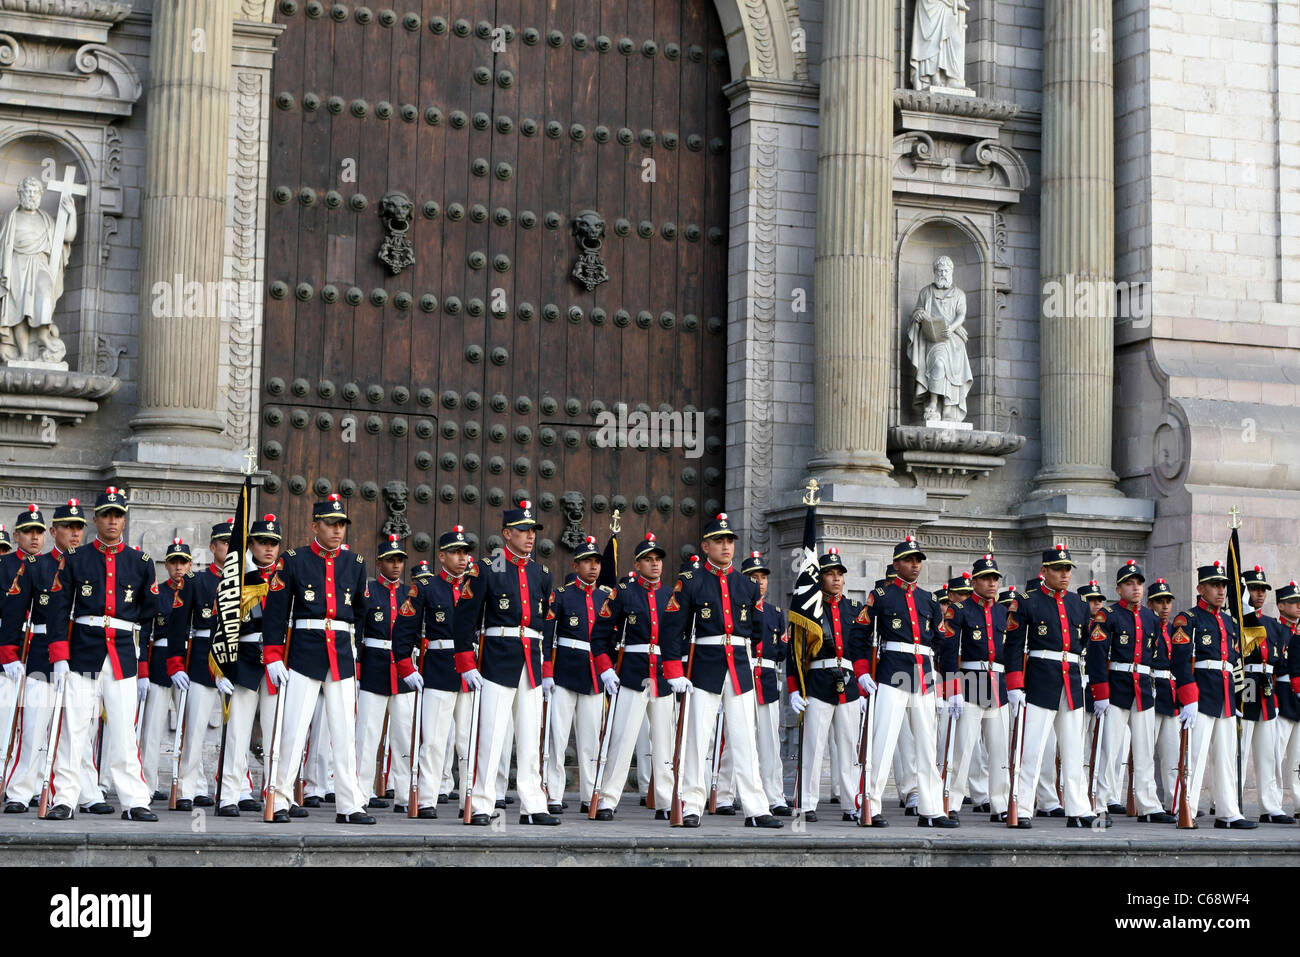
{"x": 867, "y": 684}
{"x": 680, "y": 685}
{"x": 798, "y": 702}
{"x": 60, "y": 671}
{"x": 1100, "y": 706}
{"x": 142, "y": 688}
{"x": 862, "y": 703}
{"x": 277, "y": 673}
{"x": 1016, "y": 698}
{"x": 415, "y": 681}
{"x": 955, "y": 704}
{"x": 14, "y": 669}
{"x": 548, "y": 688}
{"x": 609, "y": 678}
{"x": 180, "y": 681}
{"x": 940, "y": 705}
{"x": 224, "y": 686}
{"x": 473, "y": 678}
{"x": 1187, "y": 716}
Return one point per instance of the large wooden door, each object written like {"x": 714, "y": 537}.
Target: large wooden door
{"x": 476, "y": 374}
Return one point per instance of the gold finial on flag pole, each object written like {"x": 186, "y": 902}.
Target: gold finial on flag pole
{"x": 810, "y": 496}
{"x": 1235, "y": 512}
{"x": 614, "y": 526}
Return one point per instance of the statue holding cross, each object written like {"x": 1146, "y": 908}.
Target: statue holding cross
{"x": 34, "y": 251}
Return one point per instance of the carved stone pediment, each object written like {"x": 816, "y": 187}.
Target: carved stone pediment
{"x": 944, "y": 461}
{"x": 35, "y": 402}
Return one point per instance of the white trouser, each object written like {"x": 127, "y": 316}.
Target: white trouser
{"x": 497, "y": 706}
{"x": 1049, "y": 797}
{"x": 33, "y": 741}
{"x": 371, "y": 709}
{"x": 588, "y": 710}
{"x": 1259, "y": 744}
{"x": 895, "y": 709}
{"x": 1167, "y": 746}
{"x": 300, "y": 696}
{"x": 820, "y": 721}
{"x": 904, "y": 765}
{"x": 8, "y": 701}
{"x": 465, "y": 717}
{"x": 976, "y": 726}
{"x": 239, "y": 732}
{"x": 1068, "y": 726}
{"x": 437, "y": 725}
{"x": 1112, "y": 765}
{"x": 271, "y": 733}
{"x": 768, "y": 735}
{"x": 153, "y": 730}
{"x": 200, "y": 702}
{"x": 835, "y": 768}
{"x": 1288, "y": 750}
{"x": 502, "y": 781}
{"x": 121, "y": 752}
{"x": 727, "y": 768}
{"x": 738, "y": 727}
{"x": 634, "y": 710}
{"x": 448, "y": 782}
{"x": 644, "y": 762}
{"x": 318, "y": 762}
{"x": 1212, "y": 748}
{"x": 977, "y": 777}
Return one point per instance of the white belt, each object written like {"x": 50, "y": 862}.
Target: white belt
{"x": 1162, "y": 673}
{"x": 1069, "y": 656}
{"x": 765, "y": 663}
{"x": 650, "y": 649}
{"x": 160, "y": 643}
{"x": 907, "y": 647}
{"x": 735, "y": 641}
{"x": 379, "y": 643}
{"x": 513, "y": 633}
{"x": 105, "y": 621}
{"x": 38, "y": 629}
{"x": 252, "y": 638}
{"x": 1259, "y": 669}
{"x": 441, "y": 644}
{"x": 996, "y": 666}
{"x": 205, "y": 633}
{"x": 322, "y": 624}
{"x": 823, "y": 663}
{"x": 580, "y": 643}
{"x": 1126, "y": 666}
{"x": 1215, "y": 665}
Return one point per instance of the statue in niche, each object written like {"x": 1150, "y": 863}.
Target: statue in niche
{"x": 34, "y": 251}
{"x": 936, "y": 346}
{"x": 938, "y": 58}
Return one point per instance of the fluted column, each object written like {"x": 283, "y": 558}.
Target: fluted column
{"x": 1077, "y": 332}
{"x": 183, "y": 220}
{"x": 854, "y": 244}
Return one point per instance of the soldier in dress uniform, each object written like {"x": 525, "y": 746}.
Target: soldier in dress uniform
{"x": 189, "y": 642}
{"x": 1287, "y": 598}
{"x": 421, "y": 573}
{"x": 248, "y": 676}
{"x": 1208, "y": 637}
{"x": 905, "y": 621}
{"x": 570, "y": 679}
{"x": 320, "y": 593}
{"x": 108, "y": 592}
{"x": 979, "y": 626}
{"x": 772, "y": 649}
{"x": 1161, "y": 602}
{"x": 161, "y": 692}
{"x": 635, "y": 616}
{"x": 1125, "y": 644}
{"x": 1050, "y": 624}
{"x": 959, "y": 588}
{"x": 508, "y": 612}
{"x": 380, "y": 690}
{"x": 426, "y": 617}
{"x": 834, "y": 704}
{"x": 716, "y": 611}
{"x": 1259, "y": 704}
{"x": 6, "y": 543}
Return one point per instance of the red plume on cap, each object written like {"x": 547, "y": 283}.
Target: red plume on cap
{"x": 833, "y": 550}
{"x": 111, "y": 490}
{"x": 1257, "y": 568}
{"x": 591, "y": 540}
{"x": 2, "y": 528}
{"x": 911, "y": 538}
{"x": 268, "y": 517}
{"x": 73, "y": 501}
{"x": 1216, "y": 563}
{"x": 722, "y": 516}
{"x": 231, "y": 520}
{"x": 965, "y": 574}
{"x": 393, "y": 537}
{"x": 334, "y": 497}
{"x": 177, "y": 541}
{"x": 1292, "y": 584}
{"x": 695, "y": 558}
{"x": 458, "y": 528}
{"x": 649, "y": 536}
{"x": 1092, "y": 581}
{"x": 988, "y": 558}
{"x": 755, "y": 554}
{"x": 32, "y": 508}
{"x": 525, "y": 504}
{"x": 1131, "y": 562}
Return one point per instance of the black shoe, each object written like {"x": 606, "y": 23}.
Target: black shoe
{"x": 1276, "y": 819}
{"x": 584, "y": 807}
{"x": 329, "y": 797}
{"x": 58, "y": 812}
{"x": 1160, "y": 817}
{"x": 879, "y": 821}
{"x": 139, "y": 814}
{"x": 99, "y": 807}
{"x": 399, "y": 808}
{"x": 810, "y": 817}
{"x": 159, "y": 796}
{"x": 481, "y": 820}
{"x": 539, "y": 819}
{"x": 228, "y": 810}
{"x": 427, "y": 813}
{"x": 15, "y": 807}
{"x": 607, "y": 814}
{"x": 1054, "y": 812}
{"x": 1211, "y": 811}
{"x": 966, "y": 800}
{"x": 202, "y": 800}
{"x": 356, "y": 817}
{"x": 297, "y": 810}
{"x": 999, "y": 817}
{"x": 1089, "y": 820}
{"x": 729, "y": 810}
{"x": 763, "y": 820}
{"x": 691, "y": 820}
{"x": 941, "y": 822}
{"x": 501, "y": 803}
{"x": 660, "y": 815}
{"x": 390, "y": 794}
{"x": 782, "y": 810}
{"x": 442, "y": 799}
{"x": 280, "y": 817}
{"x": 377, "y": 802}
{"x": 555, "y": 808}
{"x": 910, "y": 812}
{"x": 453, "y": 796}
{"x": 846, "y": 816}
{"x": 984, "y": 808}
{"x": 953, "y": 816}
{"x": 250, "y": 804}
{"x": 1117, "y": 810}
{"x": 36, "y": 801}
{"x": 1024, "y": 823}
{"x": 834, "y": 800}
{"x": 564, "y": 805}
{"x": 183, "y": 804}
{"x": 509, "y": 799}
{"x": 643, "y": 802}
{"x": 313, "y": 801}
{"x": 1240, "y": 824}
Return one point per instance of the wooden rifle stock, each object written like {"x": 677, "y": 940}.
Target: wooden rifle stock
{"x": 413, "y": 797}
{"x": 1017, "y": 745}
{"x": 675, "y": 815}
{"x": 1130, "y": 809}
{"x": 718, "y": 744}
{"x": 56, "y": 729}
{"x": 1182, "y": 805}
{"x": 477, "y": 707}
{"x": 865, "y": 746}
{"x": 947, "y": 765}
{"x": 15, "y": 725}
{"x": 381, "y": 756}
{"x": 1092, "y": 766}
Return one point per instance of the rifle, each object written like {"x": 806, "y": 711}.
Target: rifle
{"x": 947, "y": 764}
{"x": 381, "y": 757}
{"x": 269, "y": 768}
{"x": 52, "y": 749}
{"x": 1181, "y": 803}
{"x": 221, "y": 751}
{"x": 413, "y": 798}
{"x": 473, "y": 735}
{"x": 178, "y": 739}
{"x": 605, "y": 726}
{"x": 716, "y": 763}
{"x": 865, "y": 745}
{"x": 1092, "y": 765}
{"x": 1131, "y": 809}
{"x": 684, "y": 699}
{"x": 15, "y": 726}
{"x": 1017, "y": 745}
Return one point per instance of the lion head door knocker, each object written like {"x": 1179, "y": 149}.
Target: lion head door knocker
{"x": 589, "y": 231}
{"x": 575, "y": 507}
{"x": 395, "y": 496}
{"x": 396, "y": 210}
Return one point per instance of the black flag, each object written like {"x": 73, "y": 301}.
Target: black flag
{"x": 806, "y": 602}
{"x": 230, "y": 611}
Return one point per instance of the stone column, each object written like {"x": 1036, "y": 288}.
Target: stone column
{"x": 1078, "y": 250}
{"x": 183, "y": 223}
{"x": 854, "y": 251}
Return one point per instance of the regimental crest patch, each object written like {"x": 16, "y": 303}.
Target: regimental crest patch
{"x": 706, "y": 612}
{"x": 276, "y": 583}
{"x": 1042, "y": 628}
{"x": 1098, "y": 633}
{"x": 465, "y": 591}
{"x": 176, "y": 600}
{"x": 573, "y": 621}
{"x": 605, "y": 610}
{"x": 13, "y": 586}
{"x": 672, "y": 604}
{"x": 439, "y": 616}
{"x": 864, "y": 616}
